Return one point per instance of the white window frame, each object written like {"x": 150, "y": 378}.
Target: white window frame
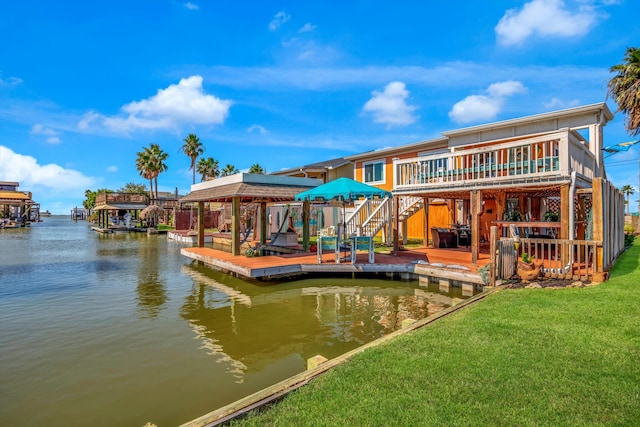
{"x": 374, "y": 162}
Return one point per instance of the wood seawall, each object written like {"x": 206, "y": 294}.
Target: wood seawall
{"x": 408, "y": 264}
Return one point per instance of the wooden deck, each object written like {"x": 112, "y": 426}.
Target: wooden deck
{"x": 444, "y": 263}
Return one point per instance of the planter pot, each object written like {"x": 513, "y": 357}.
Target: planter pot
{"x": 525, "y": 265}
{"x": 529, "y": 275}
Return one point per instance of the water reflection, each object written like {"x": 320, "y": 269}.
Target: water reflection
{"x": 151, "y": 289}
{"x": 248, "y": 327}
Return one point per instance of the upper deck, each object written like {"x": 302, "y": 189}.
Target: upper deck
{"x": 543, "y": 158}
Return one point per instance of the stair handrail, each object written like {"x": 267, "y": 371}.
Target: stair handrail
{"x": 350, "y": 221}
{"x": 406, "y": 202}
{"x": 379, "y": 217}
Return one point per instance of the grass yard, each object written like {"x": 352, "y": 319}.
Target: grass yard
{"x": 525, "y": 357}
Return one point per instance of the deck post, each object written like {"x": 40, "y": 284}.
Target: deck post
{"x": 305, "y": 224}
{"x": 396, "y": 223}
{"x": 263, "y": 223}
{"x": 201, "y": 224}
{"x": 493, "y": 239}
{"x": 501, "y": 203}
{"x": 235, "y": 226}
{"x": 598, "y": 217}
{"x": 425, "y": 230}
{"x": 476, "y": 210}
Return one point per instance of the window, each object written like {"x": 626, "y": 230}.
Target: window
{"x": 373, "y": 172}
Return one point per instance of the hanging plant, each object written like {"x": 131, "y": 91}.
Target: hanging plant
{"x": 551, "y": 216}
{"x": 514, "y": 216}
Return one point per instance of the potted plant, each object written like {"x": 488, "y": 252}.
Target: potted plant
{"x": 526, "y": 262}
{"x": 514, "y": 216}
{"x": 527, "y": 268}
{"x": 551, "y": 216}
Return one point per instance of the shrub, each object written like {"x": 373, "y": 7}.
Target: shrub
{"x": 527, "y": 259}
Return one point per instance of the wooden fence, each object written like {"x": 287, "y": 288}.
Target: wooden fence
{"x": 557, "y": 258}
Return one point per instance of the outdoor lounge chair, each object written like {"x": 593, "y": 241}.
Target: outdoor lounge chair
{"x": 443, "y": 238}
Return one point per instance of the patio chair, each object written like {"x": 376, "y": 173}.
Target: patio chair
{"x": 443, "y": 238}
{"x": 329, "y": 231}
{"x": 328, "y": 243}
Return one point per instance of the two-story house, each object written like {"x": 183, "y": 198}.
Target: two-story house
{"x": 543, "y": 172}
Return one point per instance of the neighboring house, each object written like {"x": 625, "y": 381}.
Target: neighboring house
{"x": 326, "y": 171}
{"x": 118, "y": 210}
{"x": 17, "y": 206}
{"x": 502, "y": 172}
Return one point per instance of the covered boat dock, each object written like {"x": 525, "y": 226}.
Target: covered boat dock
{"x": 244, "y": 188}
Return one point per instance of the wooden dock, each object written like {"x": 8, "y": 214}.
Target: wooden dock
{"x": 452, "y": 264}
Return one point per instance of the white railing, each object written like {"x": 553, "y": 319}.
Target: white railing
{"x": 408, "y": 205}
{"x": 542, "y": 156}
{"x": 369, "y": 217}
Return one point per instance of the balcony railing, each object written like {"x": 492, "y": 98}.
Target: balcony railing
{"x": 120, "y": 198}
{"x": 544, "y": 157}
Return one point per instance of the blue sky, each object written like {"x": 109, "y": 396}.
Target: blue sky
{"x": 85, "y": 85}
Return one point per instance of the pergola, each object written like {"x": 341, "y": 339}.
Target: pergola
{"x": 248, "y": 188}
{"x": 17, "y": 199}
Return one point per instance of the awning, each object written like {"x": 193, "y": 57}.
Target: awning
{"x": 247, "y": 192}
{"x": 117, "y": 206}
{"x": 13, "y": 195}
{"x": 343, "y": 189}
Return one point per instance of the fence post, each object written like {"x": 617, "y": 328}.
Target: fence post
{"x": 493, "y": 237}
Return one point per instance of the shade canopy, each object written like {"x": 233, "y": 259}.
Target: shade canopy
{"x": 342, "y": 189}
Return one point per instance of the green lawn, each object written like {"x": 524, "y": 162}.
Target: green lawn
{"x": 526, "y": 357}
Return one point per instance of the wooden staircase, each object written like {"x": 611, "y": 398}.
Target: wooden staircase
{"x": 374, "y": 215}
{"x": 409, "y": 206}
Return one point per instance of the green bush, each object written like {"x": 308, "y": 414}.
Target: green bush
{"x": 629, "y": 235}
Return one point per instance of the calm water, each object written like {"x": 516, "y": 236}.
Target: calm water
{"x": 119, "y": 330}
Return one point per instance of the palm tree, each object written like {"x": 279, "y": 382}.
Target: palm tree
{"x": 624, "y": 88}
{"x": 627, "y": 190}
{"x": 256, "y": 168}
{"x": 150, "y": 163}
{"x": 229, "y": 169}
{"x": 144, "y": 166}
{"x": 208, "y": 168}
{"x": 192, "y": 148}
{"x": 159, "y": 164}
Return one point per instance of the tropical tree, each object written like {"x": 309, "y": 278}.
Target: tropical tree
{"x": 192, "y": 148}
{"x": 256, "y": 168}
{"x": 145, "y": 167}
{"x": 208, "y": 168}
{"x": 624, "y": 88}
{"x": 229, "y": 169}
{"x": 627, "y": 190}
{"x": 132, "y": 187}
{"x": 150, "y": 163}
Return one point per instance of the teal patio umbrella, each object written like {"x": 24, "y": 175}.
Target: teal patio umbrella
{"x": 343, "y": 190}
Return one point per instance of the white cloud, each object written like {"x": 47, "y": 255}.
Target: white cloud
{"x": 557, "y": 104}
{"x": 307, "y": 28}
{"x": 27, "y": 171}
{"x": 11, "y": 81}
{"x": 184, "y": 103}
{"x": 191, "y": 6}
{"x": 390, "y": 107}
{"x": 112, "y": 169}
{"x": 545, "y": 18}
{"x": 502, "y": 89}
{"x": 278, "y": 20}
{"x": 52, "y": 136}
{"x": 257, "y": 128}
{"x": 485, "y": 107}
